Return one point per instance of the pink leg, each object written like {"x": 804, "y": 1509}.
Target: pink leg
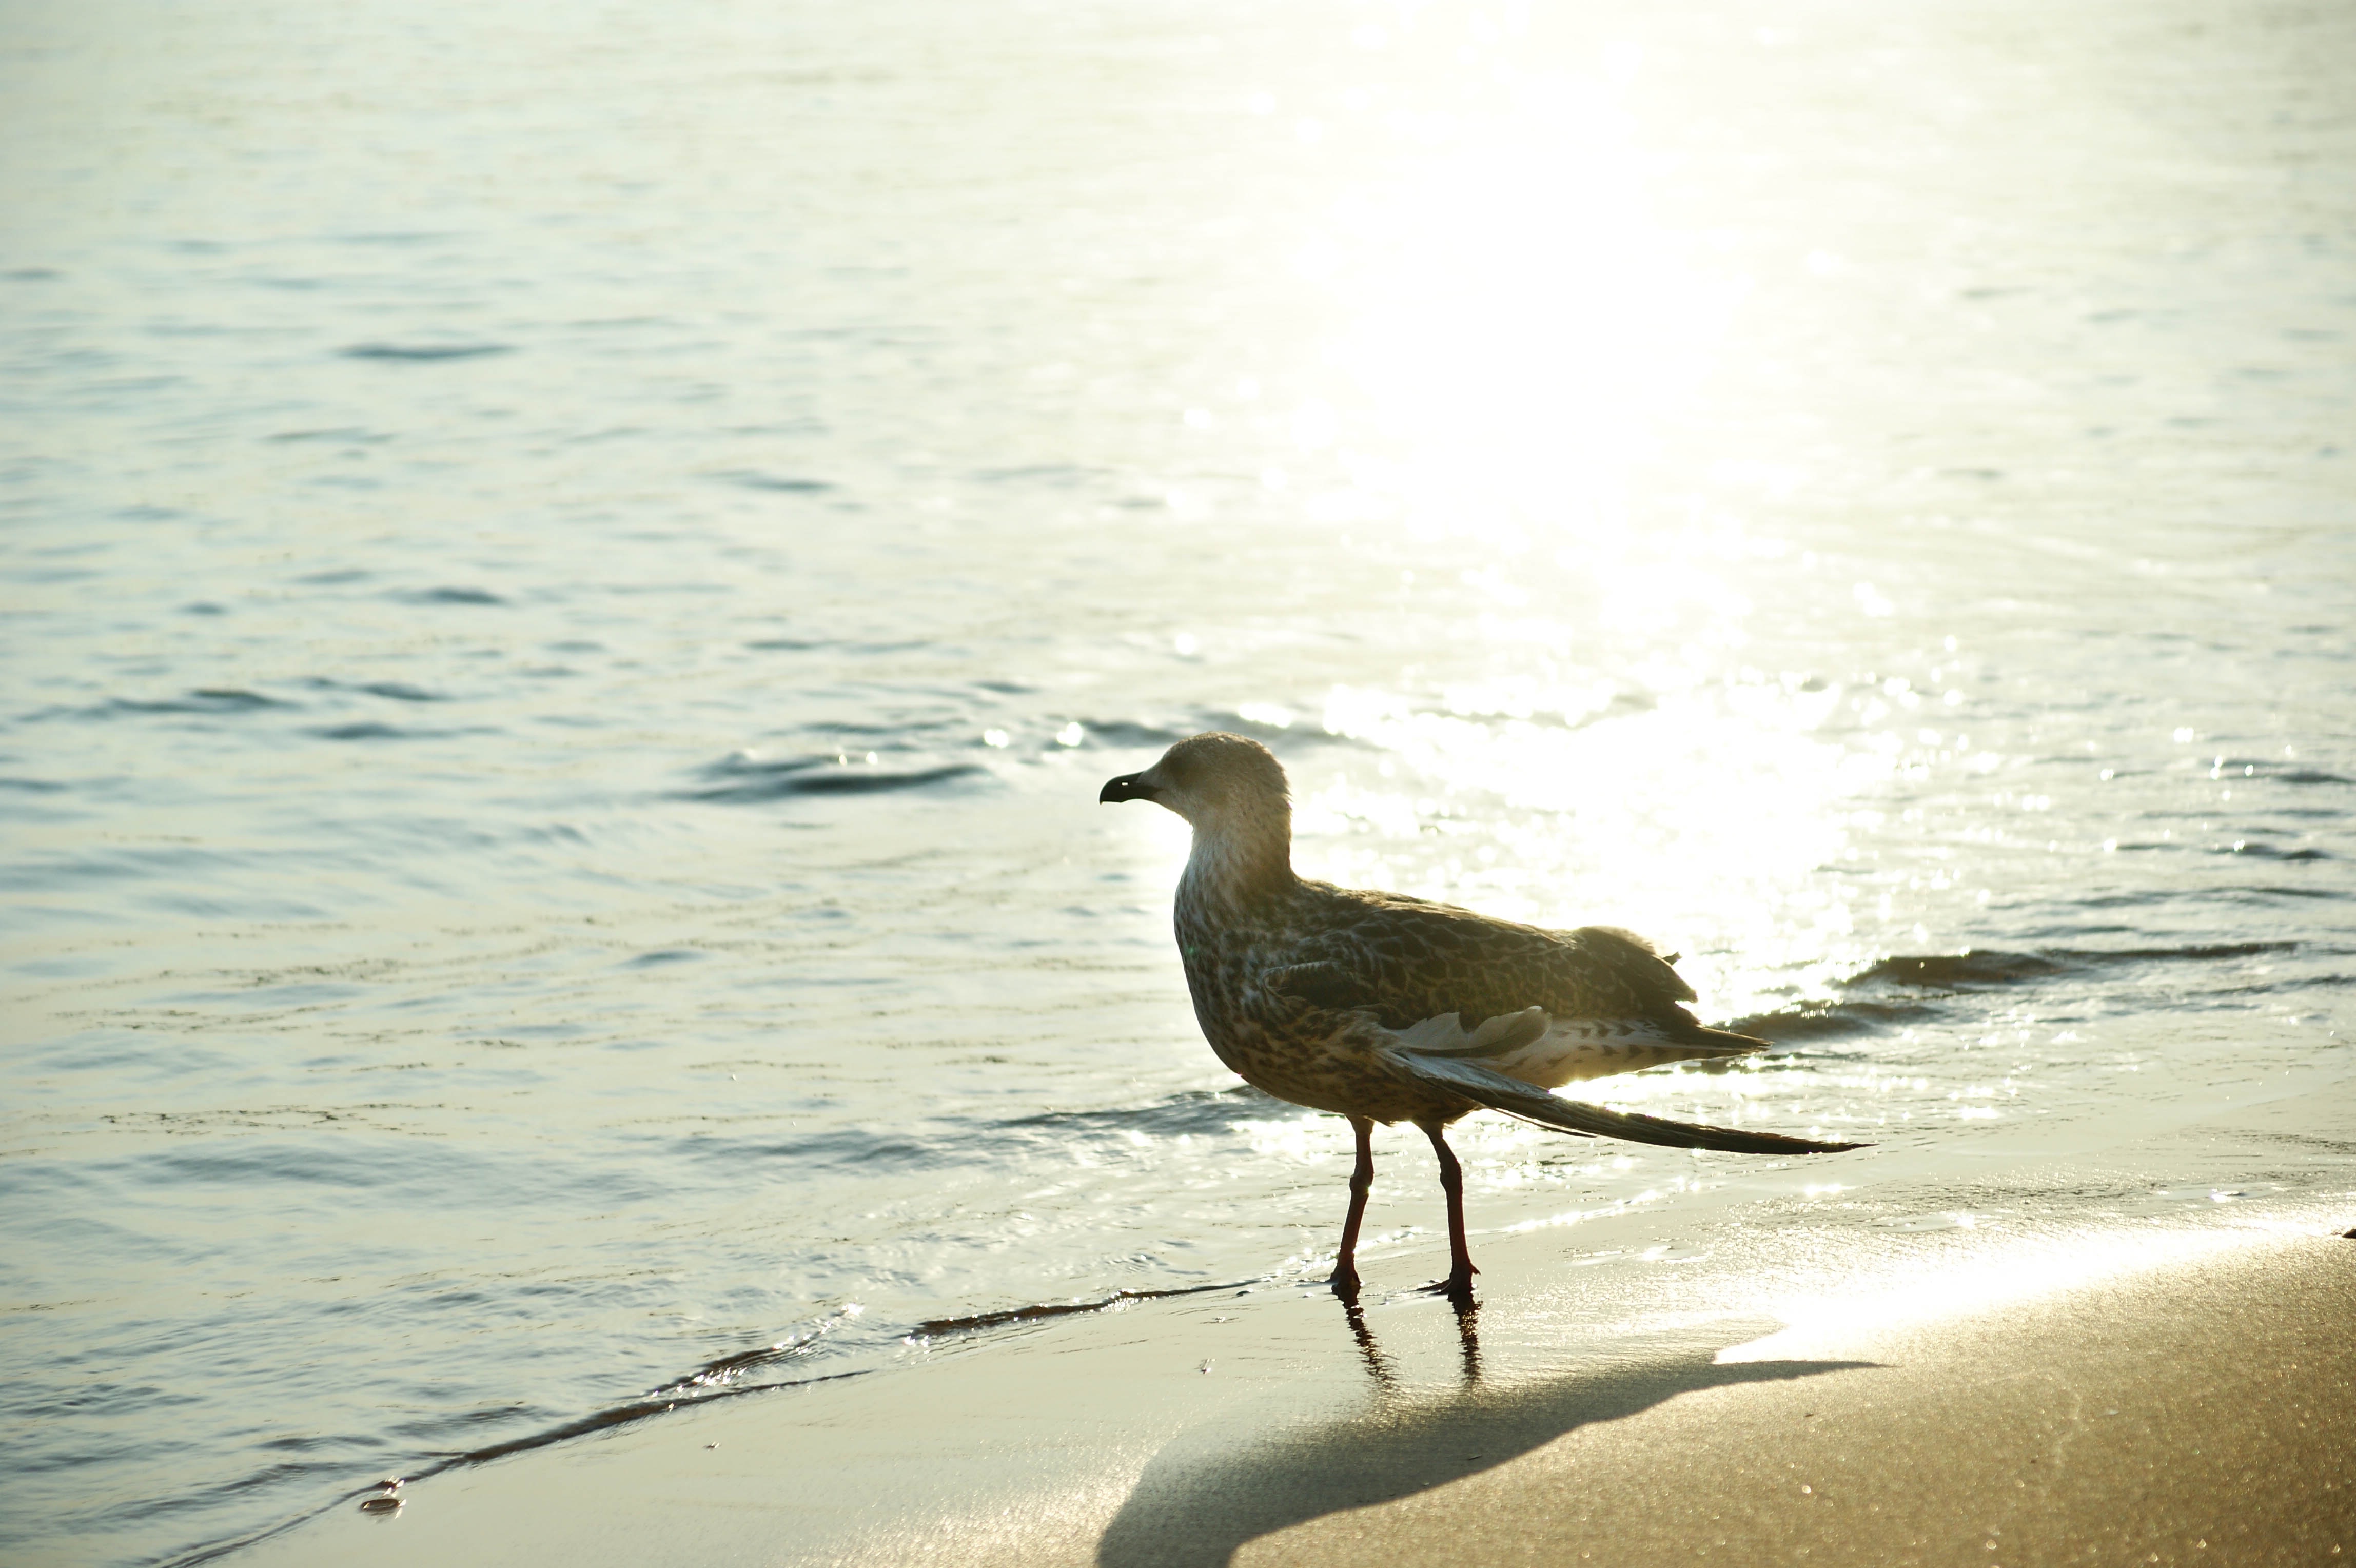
{"x": 1362, "y": 1179}
{"x": 1452, "y": 1182}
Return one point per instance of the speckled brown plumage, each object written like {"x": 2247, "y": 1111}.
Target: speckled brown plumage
{"x": 1385, "y": 1008}
{"x": 1284, "y": 983}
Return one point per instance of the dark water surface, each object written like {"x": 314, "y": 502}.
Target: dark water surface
{"x": 572, "y": 576}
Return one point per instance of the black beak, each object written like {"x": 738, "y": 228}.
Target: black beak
{"x": 1128, "y": 787}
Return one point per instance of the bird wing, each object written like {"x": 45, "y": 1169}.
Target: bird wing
{"x": 1417, "y": 1064}
{"x": 1406, "y": 961}
{"x": 1498, "y": 1036}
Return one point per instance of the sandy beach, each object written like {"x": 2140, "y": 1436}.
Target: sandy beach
{"x": 1652, "y": 1389}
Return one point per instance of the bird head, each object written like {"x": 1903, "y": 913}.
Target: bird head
{"x": 1224, "y": 784}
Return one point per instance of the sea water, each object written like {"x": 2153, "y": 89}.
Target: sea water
{"x": 573, "y": 576}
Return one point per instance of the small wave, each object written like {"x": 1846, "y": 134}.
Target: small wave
{"x": 638, "y": 1410}
{"x": 743, "y": 1361}
{"x": 346, "y": 433}
{"x": 2290, "y": 984}
{"x": 744, "y": 780}
{"x": 978, "y": 1141}
{"x": 1132, "y": 732}
{"x": 449, "y": 596}
{"x": 397, "y": 691}
{"x": 2253, "y": 848}
{"x": 420, "y": 352}
{"x": 223, "y": 699}
{"x": 369, "y": 729}
{"x": 1278, "y": 738}
{"x": 1959, "y": 971}
{"x": 716, "y": 1375}
{"x": 2274, "y": 769}
{"x": 807, "y": 645}
{"x": 203, "y": 700}
{"x": 872, "y": 781}
{"x": 2266, "y": 893}
{"x": 1818, "y": 1021}
{"x": 400, "y": 691}
{"x": 754, "y": 479}
{"x": 1197, "y": 1111}
{"x": 1914, "y": 979}
{"x": 840, "y": 1148}
{"x": 1064, "y": 476}
{"x": 1964, "y": 972}
{"x": 837, "y": 731}
{"x": 934, "y": 1327}
{"x": 34, "y": 785}
{"x": 1275, "y": 736}
{"x": 2164, "y": 896}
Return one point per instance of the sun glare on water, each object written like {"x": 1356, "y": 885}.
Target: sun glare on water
{"x": 1524, "y": 324}
{"x": 1514, "y": 333}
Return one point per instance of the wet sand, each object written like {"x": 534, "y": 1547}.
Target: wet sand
{"x": 1761, "y": 1387}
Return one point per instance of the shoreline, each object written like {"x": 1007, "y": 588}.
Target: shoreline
{"x": 1626, "y": 1398}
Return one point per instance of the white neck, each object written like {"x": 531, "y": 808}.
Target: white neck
{"x": 1231, "y": 861}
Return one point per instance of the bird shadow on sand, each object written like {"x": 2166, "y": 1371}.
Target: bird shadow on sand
{"x": 1212, "y": 1490}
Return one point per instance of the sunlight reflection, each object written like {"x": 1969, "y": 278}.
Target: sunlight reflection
{"x": 1985, "y": 1280}
{"x": 1584, "y": 802}
{"x": 1524, "y": 325}
{"x": 1308, "y": 1138}
{"x": 1517, "y": 329}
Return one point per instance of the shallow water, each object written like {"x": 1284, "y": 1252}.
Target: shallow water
{"x": 573, "y": 584}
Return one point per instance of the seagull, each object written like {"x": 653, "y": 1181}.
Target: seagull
{"x": 1380, "y": 1007}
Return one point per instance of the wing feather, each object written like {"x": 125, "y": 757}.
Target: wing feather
{"x": 1503, "y": 1036}
{"x": 1494, "y": 1090}
{"x": 1407, "y": 960}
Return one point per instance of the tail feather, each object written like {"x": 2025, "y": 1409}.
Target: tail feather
{"x": 1514, "y": 1098}
{"x": 1726, "y": 1042}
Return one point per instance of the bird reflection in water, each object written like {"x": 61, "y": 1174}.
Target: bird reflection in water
{"x": 1378, "y": 1366}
